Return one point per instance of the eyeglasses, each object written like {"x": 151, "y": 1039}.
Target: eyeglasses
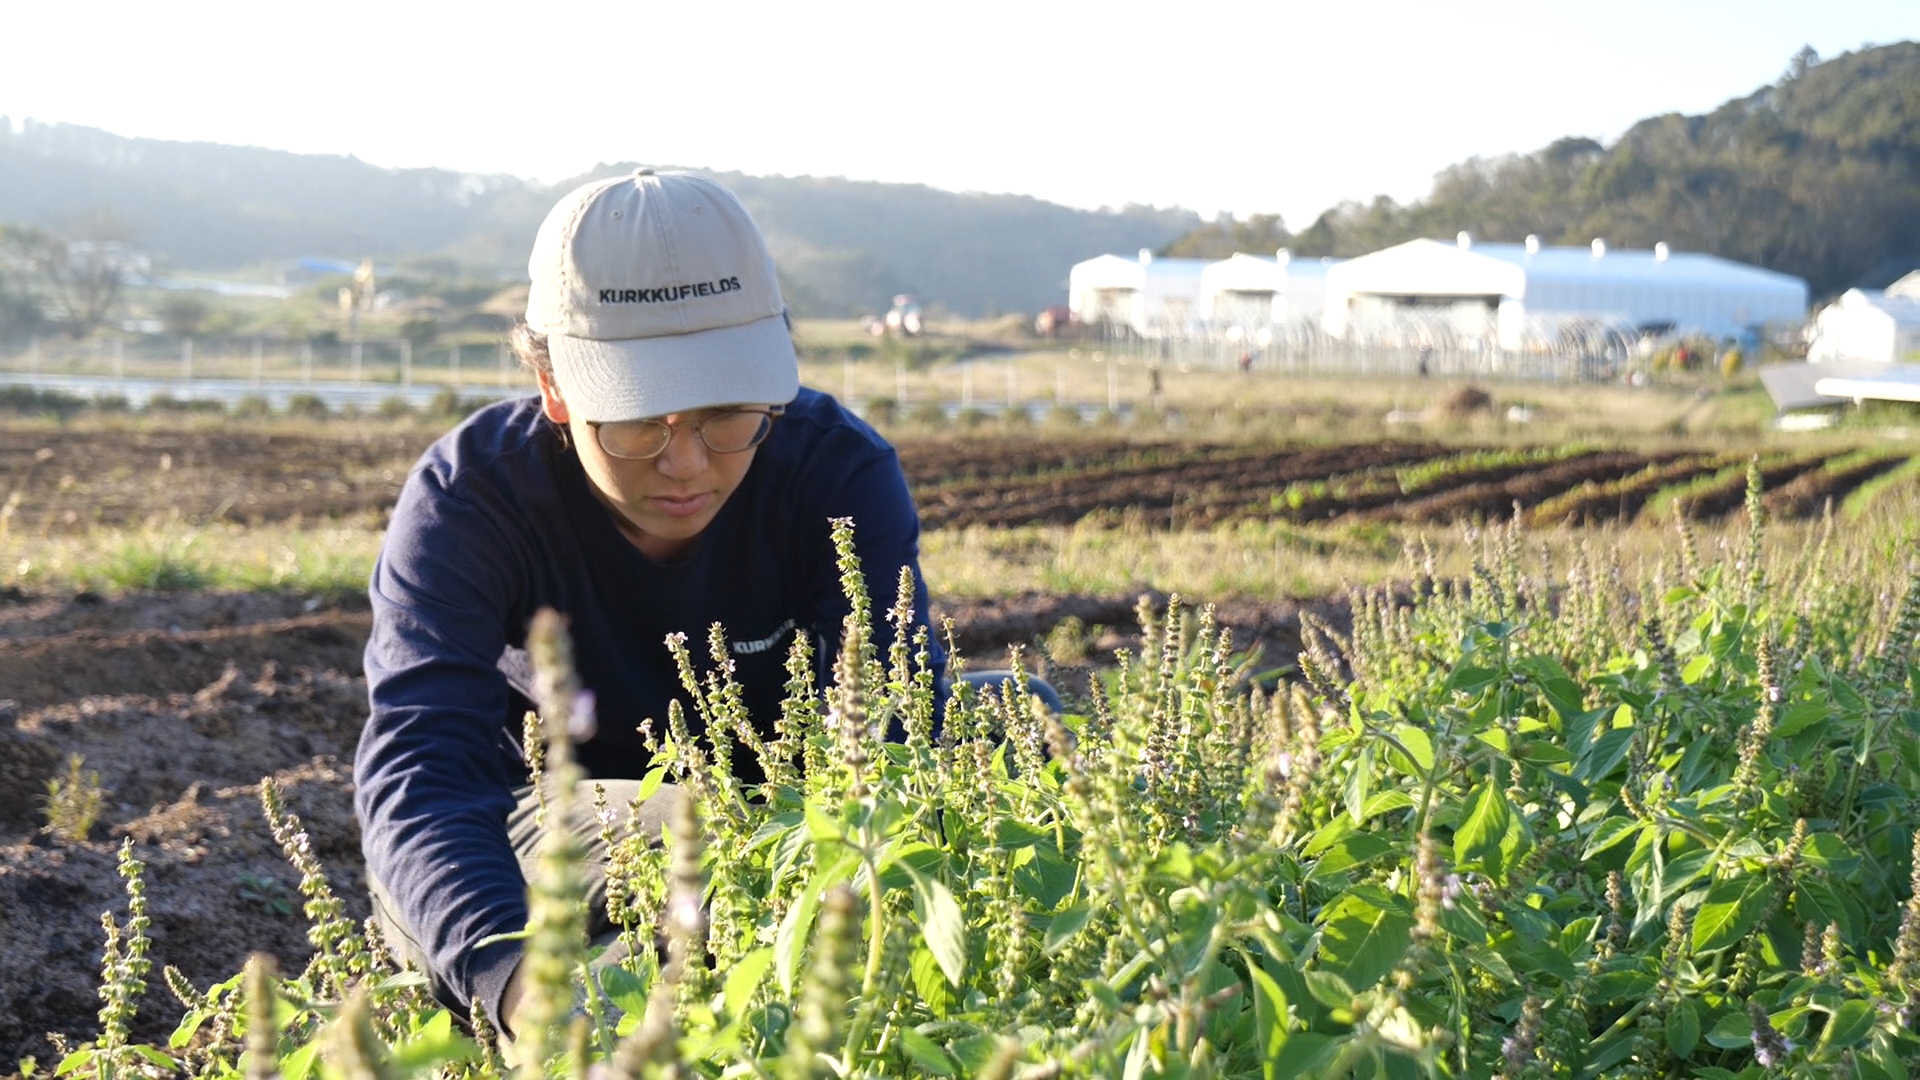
{"x": 724, "y": 431}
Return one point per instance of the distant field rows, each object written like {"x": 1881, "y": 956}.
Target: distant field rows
{"x": 55, "y": 482}
{"x": 988, "y": 484}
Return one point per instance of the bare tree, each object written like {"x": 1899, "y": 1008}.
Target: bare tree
{"x": 78, "y": 275}
{"x": 20, "y": 312}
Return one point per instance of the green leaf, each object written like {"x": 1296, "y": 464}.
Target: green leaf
{"x": 1064, "y": 926}
{"x": 1800, "y": 716}
{"x": 1622, "y": 985}
{"x": 1608, "y": 1051}
{"x": 1683, "y": 1027}
{"x": 1270, "y": 1015}
{"x": 1610, "y": 832}
{"x": 1098, "y": 990}
{"x": 931, "y": 982}
{"x": 189, "y": 1024}
{"x": 1814, "y": 901}
{"x": 1542, "y": 752}
{"x": 1847, "y": 697}
{"x": 1543, "y": 957}
{"x": 624, "y": 989}
{"x": 1138, "y": 1055}
{"x": 1468, "y": 679}
{"x": 1352, "y": 850}
{"x": 1359, "y": 784}
{"x": 77, "y": 1059}
{"x": 824, "y": 827}
{"x": 1830, "y": 853}
{"x": 1884, "y": 1060}
{"x": 299, "y": 1064}
{"x": 744, "y": 979}
{"x": 1362, "y": 942}
{"x": 1329, "y": 989}
{"x": 925, "y": 1052}
{"x": 1849, "y": 1024}
{"x": 650, "y": 783}
{"x": 1386, "y": 802}
{"x": 790, "y": 941}
{"x": 1045, "y": 876}
{"x": 156, "y": 1057}
{"x": 1418, "y": 744}
{"x": 1695, "y": 668}
{"x": 974, "y": 1051}
{"x": 1683, "y": 871}
{"x": 1727, "y": 913}
{"x": 433, "y": 1047}
{"x": 1327, "y": 835}
{"x": 1305, "y": 1053}
{"x": 1481, "y": 837}
{"x": 1010, "y": 834}
{"x": 1606, "y": 754}
{"x": 942, "y": 924}
{"x": 1486, "y": 957}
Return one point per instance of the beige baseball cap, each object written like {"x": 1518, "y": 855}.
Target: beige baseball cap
{"x": 657, "y": 296}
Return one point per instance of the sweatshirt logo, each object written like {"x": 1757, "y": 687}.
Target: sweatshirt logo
{"x": 667, "y": 294}
{"x": 749, "y": 648}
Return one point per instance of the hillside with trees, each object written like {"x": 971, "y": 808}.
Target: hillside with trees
{"x": 1816, "y": 175}
{"x": 845, "y": 247}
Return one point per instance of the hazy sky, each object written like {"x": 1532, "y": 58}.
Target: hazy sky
{"x": 1206, "y": 104}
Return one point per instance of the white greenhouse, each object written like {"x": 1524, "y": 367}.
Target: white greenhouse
{"x": 1523, "y": 295}
{"x": 1153, "y": 296}
{"x": 1867, "y": 324}
{"x": 1252, "y": 291}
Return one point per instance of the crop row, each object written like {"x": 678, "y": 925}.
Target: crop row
{"x": 1390, "y": 482}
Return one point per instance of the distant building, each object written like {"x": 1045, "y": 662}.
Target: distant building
{"x": 1870, "y": 325}
{"x": 1252, "y": 291}
{"x": 1153, "y": 297}
{"x": 1517, "y": 295}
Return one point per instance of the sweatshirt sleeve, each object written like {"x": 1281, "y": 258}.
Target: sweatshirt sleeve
{"x": 436, "y": 765}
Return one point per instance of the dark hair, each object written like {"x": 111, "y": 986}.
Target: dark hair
{"x": 530, "y": 348}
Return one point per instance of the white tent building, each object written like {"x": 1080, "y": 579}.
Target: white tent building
{"x": 1250, "y": 290}
{"x": 1866, "y": 324}
{"x": 1520, "y": 294}
{"x": 1153, "y": 296}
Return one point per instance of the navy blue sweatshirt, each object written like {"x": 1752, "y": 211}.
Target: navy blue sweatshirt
{"x": 498, "y": 520}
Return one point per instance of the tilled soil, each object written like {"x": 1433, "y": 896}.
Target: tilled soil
{"x": 183, "y": 703}
{"x": 63, "y": 480}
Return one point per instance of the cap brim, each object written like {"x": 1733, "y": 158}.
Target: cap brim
{"x": 625, "y": 380}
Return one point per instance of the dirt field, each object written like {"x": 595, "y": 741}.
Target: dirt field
{"x": 64, "y": 481}
{"x": 183, "y": 702}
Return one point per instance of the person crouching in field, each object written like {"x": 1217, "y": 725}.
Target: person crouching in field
{"x": 671, "y": 474}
